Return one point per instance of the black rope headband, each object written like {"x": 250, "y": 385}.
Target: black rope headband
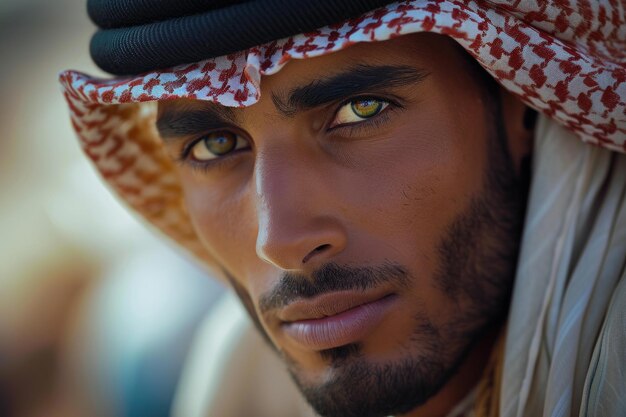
{"x": 138, "y": 36}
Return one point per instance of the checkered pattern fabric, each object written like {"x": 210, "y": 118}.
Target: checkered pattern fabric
{"x": 565, "y": 58}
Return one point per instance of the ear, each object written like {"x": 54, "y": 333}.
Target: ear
{"x": 519, "y": 121}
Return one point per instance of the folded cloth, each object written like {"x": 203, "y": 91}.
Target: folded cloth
{"x": 566, "y": 332}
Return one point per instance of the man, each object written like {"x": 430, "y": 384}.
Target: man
{"x": 364, "y": 193}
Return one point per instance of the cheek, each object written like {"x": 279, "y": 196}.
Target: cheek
{"x": 222, "y": 220}
{"x": 423, "y": 177}
{"x": 417, "y": 180}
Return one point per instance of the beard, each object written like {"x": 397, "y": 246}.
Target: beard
{"x": 477, "y": 261}
{"x": 477, "y": 257}
{"x": 477, "y": 264}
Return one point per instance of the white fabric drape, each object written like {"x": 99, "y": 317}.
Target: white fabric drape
{"x": 566, "y": 336}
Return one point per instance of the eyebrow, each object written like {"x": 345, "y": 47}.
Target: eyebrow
{"x": 354, "y": 81}
{"x": 179, "y": 121}
{"x": 176, "y": 121}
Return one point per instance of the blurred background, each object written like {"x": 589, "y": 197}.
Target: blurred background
{"x": 96, "y": 315}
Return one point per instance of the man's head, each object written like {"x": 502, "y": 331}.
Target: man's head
{"x": 368, "y": 212}
{"x": 367, "y": 209}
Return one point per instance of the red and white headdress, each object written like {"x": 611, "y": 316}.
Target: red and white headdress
{"x": 564, "y": 58}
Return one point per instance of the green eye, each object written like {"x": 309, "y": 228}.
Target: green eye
{"x": 220, "y": 143}
{"x": 217, "y": 144}
{"x": 366, "y": 108}
{"x": 358, "y": 110}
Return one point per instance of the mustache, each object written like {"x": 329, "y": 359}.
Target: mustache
{"x": 331, "y": 278}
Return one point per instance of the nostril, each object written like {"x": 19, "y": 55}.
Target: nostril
{"x": 314, "y": 252}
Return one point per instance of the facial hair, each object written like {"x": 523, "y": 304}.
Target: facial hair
{"x": 477, "y": 259}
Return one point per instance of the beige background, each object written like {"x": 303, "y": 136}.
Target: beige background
{"x": 90, "y": 301}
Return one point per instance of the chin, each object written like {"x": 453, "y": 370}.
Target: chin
{"x": 355, "y": 384}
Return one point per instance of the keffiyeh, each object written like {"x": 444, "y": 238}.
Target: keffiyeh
{"x": 564, "y": 58}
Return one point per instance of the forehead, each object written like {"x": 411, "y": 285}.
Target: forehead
{"x": 415, "y": 49}
{"x": 424, "y": 51}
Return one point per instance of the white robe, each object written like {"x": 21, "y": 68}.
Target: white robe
{"x": 566, "y": 334}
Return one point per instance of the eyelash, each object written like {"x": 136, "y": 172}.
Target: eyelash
{"x": 350, "y": 129}
{"x": 206, "y": 166}
{"x": 377, "y": 121}
{"x": 185, "y": 160}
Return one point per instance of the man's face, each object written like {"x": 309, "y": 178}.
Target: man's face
{"x": 367, "y": 212}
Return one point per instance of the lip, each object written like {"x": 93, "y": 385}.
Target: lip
{"x": 334, "y": 319}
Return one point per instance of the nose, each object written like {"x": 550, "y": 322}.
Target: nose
{"x": 295, "y": 205}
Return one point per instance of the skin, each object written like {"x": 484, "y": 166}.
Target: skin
{"x": 313, "y": 201}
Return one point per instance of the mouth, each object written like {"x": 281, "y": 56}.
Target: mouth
{"x": 335, "y": 319}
